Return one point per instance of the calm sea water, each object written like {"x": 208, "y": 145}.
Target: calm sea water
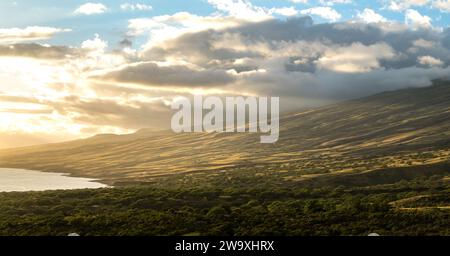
{"x": 27, "y": 180}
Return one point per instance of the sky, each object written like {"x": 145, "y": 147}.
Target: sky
{"x": 73, "y": 69}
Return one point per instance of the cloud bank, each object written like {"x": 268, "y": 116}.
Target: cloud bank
{"x": 33, "y": 33}
{"x": 240, "y": 49}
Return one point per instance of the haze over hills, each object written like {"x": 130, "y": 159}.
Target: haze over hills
{"x": 14, "y": 140}
{"x": 405, "y": 128}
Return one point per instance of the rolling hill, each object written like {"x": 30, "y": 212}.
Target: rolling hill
{"x": 355, "y": 139}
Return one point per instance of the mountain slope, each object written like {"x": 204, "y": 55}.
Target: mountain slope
{"x": 389, "y": 130}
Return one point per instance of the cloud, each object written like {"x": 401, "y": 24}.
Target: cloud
{"x": 135, "y": 7}
{"x": 96, "y": 44}
{"x": 417, "y": 20}
{"x": 326, "y": 13}
{"x": 18, "y": 99}
{"x": 424, "y": 43}
{"x": 333, "y": 2}
{"x": 316, "y": 62}
{"x": 443, "y": 5}
{"x": 39, "y": 51}
{"x": 429, "y": 61}
{"x": 97, "y": 57}
{"x": 13, "y": 35}
{"x": 125, "y": 43}
{"x": 245, "y": 10}
{"x": 152, "y": 74}
{"x": 94, "y": 87}
{"x": 231, "y": 13}
{"x": 370, "y": 16}
{"x": 285, "y": 11}
{"x": 355, "y": 58}
{"x": 90, "y": 9}
{"x": 241, "y": 8}
{"x": 401, "y": 5}
{"x": 165, "y": 27}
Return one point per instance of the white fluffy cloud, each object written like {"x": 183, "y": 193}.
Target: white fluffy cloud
{"x": 370, "y": 16}
{"x": 96, "y": 44}
{"x": 232, "y": 13}
{"x": 443, "y": 5}
{"x": 424, "y": 43}
{"x": 241, "y": 8}
{"x": 11, "y": 35}
{"x": 165, "y": 27}
{"x": 326, "y": 13}
{"x": 429, "y": 61}
{"x": 90, "y": 9}
{"x": 333, "y": 2}
{"x": 135, "y": 7}
{"x": 400, "y": 5}
{"x": 285, "y": 11}
{"x": 417, "y": 20}
{"x": 356, "y": 58}
{"x": 245, "y": 10}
